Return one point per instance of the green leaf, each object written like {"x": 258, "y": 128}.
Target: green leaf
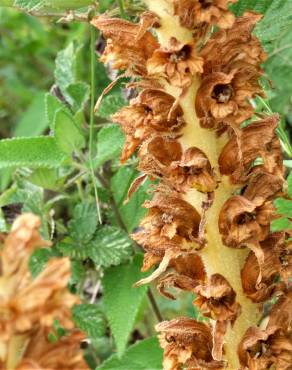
{"x": 144, "y": 355}
{"x": 110, "y": 246}
{"x": 111, "y": 104}
{"x": 281, "y": 224}
{"x": 47, "y": 178}
{"x": 84, "y": 222}
{"x": 39, "y": 259}
{"x": 289, "y": 182}
{"x": 284, "y": 206}
{"x": 29, "y": 5}
{"x": 33, "y": 122}
{"x": 131, "y": 212}
{"x": 77, "y": 95}
{"x": 77, "y": 272}
{"x": 52, "y": 105}
{"x": 259, "y": 6}
{"x": 67, "y": 134}
{"x": 122, "y": 302}
{"x": 38, "y": 152}
{"x": 104, "y": 5}
{"x": 110, "y": 141}
{"x": 66, "y": 67}
{"x": 89, "y": 318}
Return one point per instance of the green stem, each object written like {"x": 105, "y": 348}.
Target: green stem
{"x": 91, "y": 122}
{"x": 122, "y": 8}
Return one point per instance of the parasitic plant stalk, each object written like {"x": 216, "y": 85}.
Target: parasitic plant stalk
{"x": 219, "y": 168}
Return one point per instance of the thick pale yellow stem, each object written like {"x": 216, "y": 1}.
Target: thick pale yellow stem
{"x": 217, "y": 257}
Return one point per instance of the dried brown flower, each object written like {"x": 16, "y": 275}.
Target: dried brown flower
{"x": 260, "y": 283}
{"x": 65, "y": 354}
{"x": 192, "y": 13}
{"x": 129, "y": 45}
{"x": 30, "y": 305}
{"x": 162, "y": 157}
{"x": 262, "y": 348}
{"x": 152, "y": 111}
{"x": 231, "y": 73}
{"x": 257, "y": 140}
{"x": 177, "y": 63}
{"x": 186, "y": 342}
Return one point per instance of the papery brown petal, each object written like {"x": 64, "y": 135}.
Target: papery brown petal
{"x": 193, "y": 13}
{"x": 151, "y": 112}
{"x": 129, "y": 45}
{"x": 270, "y": 269}
{"x": 186, "y": 342}
{"x": 139, "y": 181}
{"x": 177, "y": 64}
{"x": 281, "y": 313}
{"x": 256, "y": 140}
{"x": 217, "y": 299}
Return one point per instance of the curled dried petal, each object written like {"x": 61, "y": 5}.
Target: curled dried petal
{"x": 151, "y": 112}
{"x": 162, "y": 157}
{"x": 223, "y": 97}
{"x": 129, "y": 45}
{"x": 194, "y": 13}
{"x": 257, "y": 140}
{"x": 261, "y": 291}
{"x": 177, "y": 64}
{"x": 186, "y": 342}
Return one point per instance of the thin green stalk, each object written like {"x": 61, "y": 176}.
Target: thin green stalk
{"x": 91, "y": 122}
{"x": 122, "y": 8}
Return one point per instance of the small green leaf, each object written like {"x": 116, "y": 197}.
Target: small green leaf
{"x": 111, "y": 104}
{"x": 77, "y": 95}
{"x": 122, "y": 302}
{"x": 89, "y": 318}
{"x": 110, "y": 141}
{"x": 67, "y": 134}
{"x": 281, "y": 224}
{"x": 35, "y": 152}
{"x": 144, "y": 355}
{"x": 284, "y": 206}
{"x": 46, "y": 178}
{"x": 52, "y": 105}
{"x": 109, "y": 247}
{"x": 39, "y": 259}
{"x": 29, "y": 5}
{"x": 33, "y": 122}
{"x": 84, "y": 222}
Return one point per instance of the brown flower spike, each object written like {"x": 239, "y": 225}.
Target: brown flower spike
{"x": 30, "y": 306}
{"x": 208, "y": 225}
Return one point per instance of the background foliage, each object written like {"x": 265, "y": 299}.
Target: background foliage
{"x": 61, "y": 162}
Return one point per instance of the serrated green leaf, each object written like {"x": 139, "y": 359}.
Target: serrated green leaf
{"x": 144, "y": 355}
{"x": 89, "y": 318}
{"x": 122, "y": 302}
{"x": 110, "y": 141}
{"x": 38, "y": 152}
{"x": 39, "y": 259}
{"x": 281, "y": 224}
{"x": 33, "y": 122}
{"x": 284, "y": 206}
{"x": 84, "y": 222}
{"x": 110, "y": 246}
{"x": 131, "y": 212}
{"x": 67, "y": 134}
{"x": 111, "y": 104}
{"x": 29, "y": 5}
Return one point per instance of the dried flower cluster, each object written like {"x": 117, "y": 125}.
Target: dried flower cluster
{"x": 208, "y": 224}
{"x": 29, "y": 306}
